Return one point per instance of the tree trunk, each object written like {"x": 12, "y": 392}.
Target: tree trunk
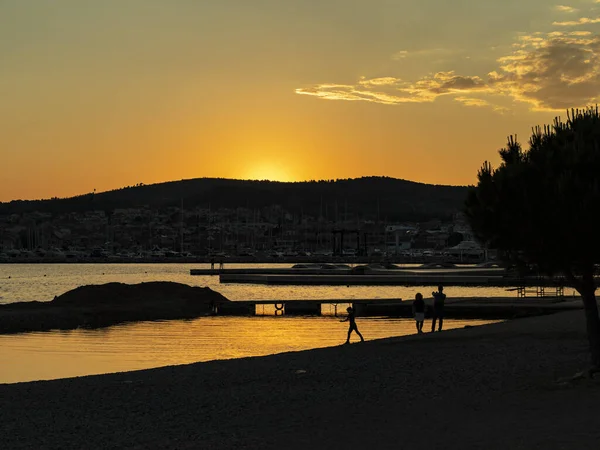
{"x": 588, "y": 295}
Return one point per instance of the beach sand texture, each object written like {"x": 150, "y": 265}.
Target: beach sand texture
{"x": 490, "y": 387}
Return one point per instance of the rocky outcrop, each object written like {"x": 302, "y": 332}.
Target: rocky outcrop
{"x": 108, "y": 304}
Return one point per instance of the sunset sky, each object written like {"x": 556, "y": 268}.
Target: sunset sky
{"x": 105, "y": 94}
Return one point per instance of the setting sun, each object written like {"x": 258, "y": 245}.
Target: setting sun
{"x": 268, "y": 171}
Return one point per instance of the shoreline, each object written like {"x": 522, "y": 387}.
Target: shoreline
{"x": 23, "y": 317}
{"x": 493, "y": 386}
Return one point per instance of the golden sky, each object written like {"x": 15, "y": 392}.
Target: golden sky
{"x": 105, "y": 94}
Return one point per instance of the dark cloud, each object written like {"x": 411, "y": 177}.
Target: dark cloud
{"x": 557, "y": 73}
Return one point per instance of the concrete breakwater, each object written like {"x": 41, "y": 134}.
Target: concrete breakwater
{"x": 364, "y": 275}
{"x": 396, "y": 279}
{"x": 342, "y": 269}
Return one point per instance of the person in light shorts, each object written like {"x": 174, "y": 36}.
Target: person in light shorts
{"x": 418, "y": 307}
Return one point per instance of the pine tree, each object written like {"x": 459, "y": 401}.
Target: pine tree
{"x": 540, "y": 207}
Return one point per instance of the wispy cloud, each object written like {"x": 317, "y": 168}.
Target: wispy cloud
{"x": 359, "y": 93}
{"x": 575, "y": 23}
{"x": 400, "y": 55}
{"x": 447, "y": 83}
{"x": 383, "y": 81}
{"x": 389, "y": 90}
{"x": 546, "y": 71}
{"x": 472, "y": 101}
{"x": 480, "y": 103}
{"x": 427, "y": 52}
{"x": 565, "y": 9}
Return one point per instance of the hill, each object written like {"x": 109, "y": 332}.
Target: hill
{"x": 368, "y": 197}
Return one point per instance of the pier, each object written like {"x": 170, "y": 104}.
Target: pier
{"x": 365, "y": 276}
{"x": 370, "y": 307}
{"x": 535, "y": 295}
{"x": 368, "y": 280}
{"x": 332, "y": 269}
{"x": 456, "y": 308}
{"x": 361, "y": 275}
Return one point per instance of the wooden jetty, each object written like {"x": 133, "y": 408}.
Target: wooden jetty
{"x": 458, "y": 308}
{"x": 385, "y": 306}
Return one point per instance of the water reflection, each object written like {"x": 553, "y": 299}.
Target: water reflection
{"x": 60, "y": 354}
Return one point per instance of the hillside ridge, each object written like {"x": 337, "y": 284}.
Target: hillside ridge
{"x": 369, "y": 196}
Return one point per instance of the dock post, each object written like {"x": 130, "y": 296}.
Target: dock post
{"x": 541, "y": 291}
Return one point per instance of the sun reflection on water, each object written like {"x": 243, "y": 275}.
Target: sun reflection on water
{"x": 60, "y": 354}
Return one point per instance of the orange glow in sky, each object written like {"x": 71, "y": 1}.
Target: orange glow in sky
{"x": 101, "y": 95}
{"x": 267, "y": 171}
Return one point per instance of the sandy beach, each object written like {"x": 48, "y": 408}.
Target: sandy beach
{"x": 494, "y": 387}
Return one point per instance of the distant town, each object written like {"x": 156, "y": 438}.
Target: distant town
{"x": 146, "y": 234}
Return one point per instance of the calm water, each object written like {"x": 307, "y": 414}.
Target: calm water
{"x": 26, "y": 282}
{"x": 143, "y": 345}
{"x": 59, "y": 354}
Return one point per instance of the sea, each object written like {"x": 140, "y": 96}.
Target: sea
{"x": 143, "y": 345}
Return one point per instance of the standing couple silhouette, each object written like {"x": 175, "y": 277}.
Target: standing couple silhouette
{"x": 418, "y": 307}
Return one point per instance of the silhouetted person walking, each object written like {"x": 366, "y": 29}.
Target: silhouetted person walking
{"x": 212, "y": 263}
{"x": 439, "y": 298}
{"x": 418, "y": 307}
{"x": 352, "y": 319}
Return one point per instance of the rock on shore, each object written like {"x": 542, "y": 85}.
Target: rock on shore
{"x": 108, "y": 304}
